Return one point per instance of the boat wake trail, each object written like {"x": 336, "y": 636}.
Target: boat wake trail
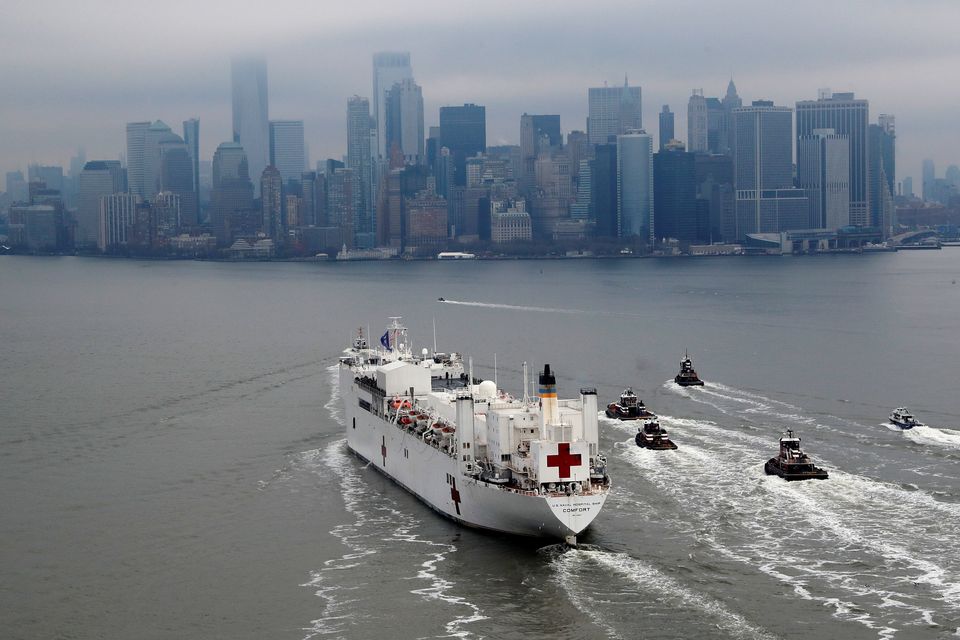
{"x": 948, "y": 438}
{"x": 515, "y": 307}
{"x": 358, "y": 592}
{"x": 755, "y": 407}
{"x": 634, "y": 590}
{"x": 876, "y": 553}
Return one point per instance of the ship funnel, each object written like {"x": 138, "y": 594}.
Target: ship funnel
{"x": 549, "y": 412}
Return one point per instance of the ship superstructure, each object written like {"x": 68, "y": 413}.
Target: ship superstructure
{"x": 527, "y": 466}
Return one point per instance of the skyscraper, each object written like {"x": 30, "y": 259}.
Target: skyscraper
{"x": 271, "y": 203}
{"x": 697, "y": 123}
{"x": 537, "y": 133}
{"x": 176, "y": 177}
{"x": 849, "y": 117}
{"x": 231, "y": 199}
{"x": 191, "y": 136}
{"x": 883, "y": 172}
{"x": 612, "y": 111}
{"x": 287, "y": 148}
{"x": 823, "y": 171}
{"x": 929, "y": 177}
{"x": 98, "y": 178}
{"x": 250, "y": 111}
{"x": 675, "y": 192}
{"x": 730, "y": 102}
{"x": 389, "y": 68}
{"x": 117, "y": 213}
{"x": 666, "y": 126}
{"x": 763, "y": 163}
{"x": 359, "y": 160}
{"x": 404, "y": 121}
{"x": 603, "y": 189}
{"x": 635, "y": 185}
{"x": 158, "y": 139}
{"x": 136, "y": 157}
{"x": 463, "y": 130}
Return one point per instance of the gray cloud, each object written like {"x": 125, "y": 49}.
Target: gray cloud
{"x": 74, "y": 73}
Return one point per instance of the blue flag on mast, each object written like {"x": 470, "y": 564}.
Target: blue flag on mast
{"x": 385, "y": 340}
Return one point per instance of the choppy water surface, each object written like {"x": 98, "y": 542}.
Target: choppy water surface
{"x": 173, "y": 465}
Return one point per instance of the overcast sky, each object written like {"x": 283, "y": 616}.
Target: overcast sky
{"x": 73, "y": 73}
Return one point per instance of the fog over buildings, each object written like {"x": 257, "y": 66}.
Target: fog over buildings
{"x": 80, "y": 88}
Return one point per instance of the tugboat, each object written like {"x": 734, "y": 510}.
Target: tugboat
{"x": 629, "y": 408}
{"x": 688, "y": 376}
{"x": 904, "y": 419}
{"x": 652, "y": 436}
{"x": 792, "y": 463}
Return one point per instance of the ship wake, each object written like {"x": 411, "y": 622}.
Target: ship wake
{"x": 875, "y": 553}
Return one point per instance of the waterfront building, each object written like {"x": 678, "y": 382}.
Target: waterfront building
{"x": 612, "y": 111}
{"x": 287, "y": 151}
{"x": 847, "y": 116}
{"x": 635, "y": 212}
{"x": 250, "y": 110}
{"x": 389, "y": 68}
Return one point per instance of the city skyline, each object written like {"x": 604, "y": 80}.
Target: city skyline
{"x": 54, "y": 106}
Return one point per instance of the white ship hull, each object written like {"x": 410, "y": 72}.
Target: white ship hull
{"x": 435, "y": 478}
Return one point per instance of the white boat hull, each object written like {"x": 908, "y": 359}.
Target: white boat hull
{"x": 434, "y": 477}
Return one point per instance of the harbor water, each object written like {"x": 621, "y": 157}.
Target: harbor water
{"x": 172, "y": 459}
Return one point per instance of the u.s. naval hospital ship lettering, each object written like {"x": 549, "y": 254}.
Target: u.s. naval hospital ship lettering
{"x": 527, "y": 466}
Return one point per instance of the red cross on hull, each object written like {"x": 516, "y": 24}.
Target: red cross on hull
{"x": 455, "y": 495}
{"x": 564, "y": 460}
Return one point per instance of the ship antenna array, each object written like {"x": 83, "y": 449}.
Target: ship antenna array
{"x": 470, "y": 381}
{"x": 495, "y": 371}
{"x": 434, "y": 335}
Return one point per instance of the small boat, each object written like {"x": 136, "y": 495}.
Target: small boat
{"x": 651, "y": 435}
{"x": 688, "y": 375}
{"x": 441, "y": 300}
{"x": 628, "y": 408}
{"x": 904, "y": 419}
{"x": 792, "y": 463}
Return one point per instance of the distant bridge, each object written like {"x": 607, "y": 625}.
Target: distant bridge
{"x": 913, "y": 237}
